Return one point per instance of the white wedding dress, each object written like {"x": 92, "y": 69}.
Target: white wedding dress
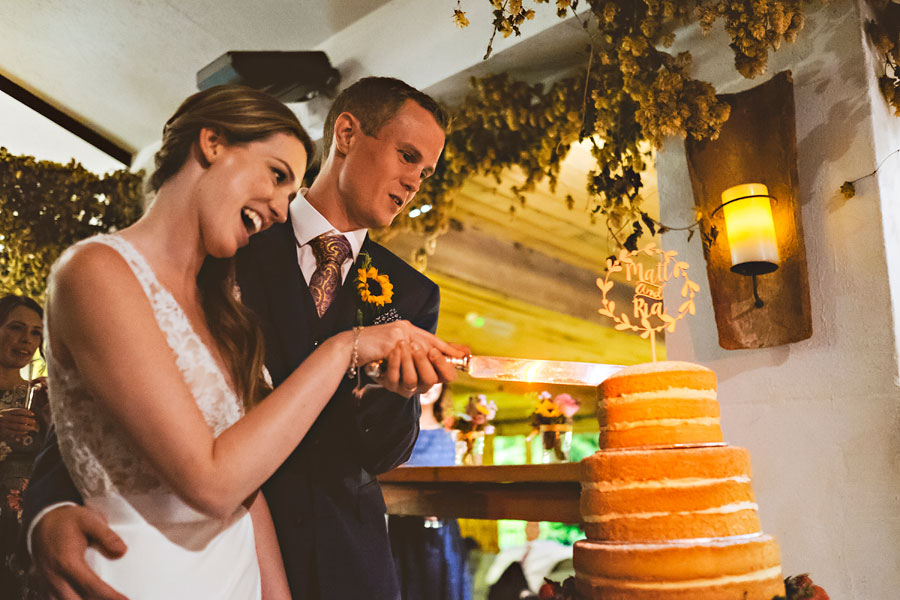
{"x": 174, "y": 552}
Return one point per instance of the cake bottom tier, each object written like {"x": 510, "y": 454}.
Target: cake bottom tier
{"x": 738, "y": 568}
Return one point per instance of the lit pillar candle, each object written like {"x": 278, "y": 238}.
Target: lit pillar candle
{"x": 750, "y": 229}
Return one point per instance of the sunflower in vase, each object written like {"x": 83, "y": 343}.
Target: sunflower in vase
{"x": 552, "y": 420}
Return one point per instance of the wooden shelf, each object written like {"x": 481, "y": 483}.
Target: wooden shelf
{"x": 527, "y": 492}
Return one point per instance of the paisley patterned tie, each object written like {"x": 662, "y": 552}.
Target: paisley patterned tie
{"x": 330, "y": 251}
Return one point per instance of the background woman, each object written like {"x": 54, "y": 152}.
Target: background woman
{"x": 429, "y": 552}
{"x": 153, "y": 362}
{"x": 21, "y": 332}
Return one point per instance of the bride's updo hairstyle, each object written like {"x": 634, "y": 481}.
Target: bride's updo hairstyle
{"x": 240, "y": 115}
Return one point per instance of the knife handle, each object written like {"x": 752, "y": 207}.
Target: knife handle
{"x": 374, "y": 369}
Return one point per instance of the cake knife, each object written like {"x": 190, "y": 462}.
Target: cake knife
{"x": 502, "y": 368}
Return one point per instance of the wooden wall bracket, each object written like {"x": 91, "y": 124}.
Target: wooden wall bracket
{"x": 757, "y": 144}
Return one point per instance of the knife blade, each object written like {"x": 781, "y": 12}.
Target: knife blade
{"x": 503, "y": 368}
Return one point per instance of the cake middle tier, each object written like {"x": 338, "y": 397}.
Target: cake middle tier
{"x": 668, "y": 494}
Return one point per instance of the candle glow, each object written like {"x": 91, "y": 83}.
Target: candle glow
{"x": 750, "y": 228}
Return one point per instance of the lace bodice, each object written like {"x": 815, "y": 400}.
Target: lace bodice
{"x": 98, "y": 455}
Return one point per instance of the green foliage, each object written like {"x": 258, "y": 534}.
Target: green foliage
{"x": 583, "y": 445}
{"x": 510, "y": 450}
{"x": 46, "y": 207}
{"x": 561, "y": 532}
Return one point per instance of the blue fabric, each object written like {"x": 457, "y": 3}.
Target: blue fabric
{"x": 431, "y": 561}
{"x": 434, "y": 448}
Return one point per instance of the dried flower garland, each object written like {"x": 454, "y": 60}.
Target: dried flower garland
{"x": 755, "y": 26}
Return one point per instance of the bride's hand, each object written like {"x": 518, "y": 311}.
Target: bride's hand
{"x": 379, "y": 341}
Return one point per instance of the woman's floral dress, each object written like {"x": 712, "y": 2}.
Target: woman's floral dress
{"x": 16, "y": 461}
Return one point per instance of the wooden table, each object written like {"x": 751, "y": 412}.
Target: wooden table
{"x": 526, "y": 492}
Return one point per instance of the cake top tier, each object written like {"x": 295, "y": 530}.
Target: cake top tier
{"x": 657, "y": 376}
{"x": 659, "y": 404}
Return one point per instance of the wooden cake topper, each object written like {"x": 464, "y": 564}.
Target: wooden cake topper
{"x": 647, "y": 315}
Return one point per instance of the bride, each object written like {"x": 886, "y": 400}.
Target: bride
{"x": 164, "y": 420}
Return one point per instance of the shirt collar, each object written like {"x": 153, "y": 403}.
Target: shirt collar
{"x": 308, "y": 223}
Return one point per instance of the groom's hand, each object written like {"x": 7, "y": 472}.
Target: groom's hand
{"x": 59, "y": 541}
{"x": 410, "y": 369}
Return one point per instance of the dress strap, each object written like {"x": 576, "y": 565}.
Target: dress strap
{"x": 136, "y": 261}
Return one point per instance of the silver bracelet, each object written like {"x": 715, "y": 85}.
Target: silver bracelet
{"x": 354, "y": 359}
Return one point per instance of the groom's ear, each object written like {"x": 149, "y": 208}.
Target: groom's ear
{"x": 346, "y": 129}
{"x": 210, "y": 143}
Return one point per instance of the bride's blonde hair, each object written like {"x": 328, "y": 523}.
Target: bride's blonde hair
{"x": 241, "y": 115}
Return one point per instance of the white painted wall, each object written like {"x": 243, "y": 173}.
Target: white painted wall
{"x": 886, "y": 182}
{"x": 820, "y": 417}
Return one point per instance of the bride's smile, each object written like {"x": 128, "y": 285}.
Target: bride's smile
{"x": 267, "y": 172}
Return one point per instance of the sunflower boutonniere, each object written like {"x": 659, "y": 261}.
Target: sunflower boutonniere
{"x": 375, "y": 290}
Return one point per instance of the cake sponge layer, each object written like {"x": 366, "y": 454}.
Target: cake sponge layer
{"x": 721, "y": 569}
{"x": 676, "y": 561}
{"x": 768, "y": 587}
{"x": 663, "y": 434}
{"x": 672, "y": 463}
{"x": 663, "y": 375}
{"x": 675, "y": 495}
{"x": 737, "y": 520}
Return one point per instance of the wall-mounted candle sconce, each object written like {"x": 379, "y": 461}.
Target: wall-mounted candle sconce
{"x": 752, "y": 233}
{"x": 750, "y": 230}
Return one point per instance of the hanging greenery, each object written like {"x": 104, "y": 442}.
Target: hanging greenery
{"x": 45, "y": 207}
{"x": 630, "y": 92}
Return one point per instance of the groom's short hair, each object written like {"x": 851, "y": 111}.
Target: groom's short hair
{"x": 374, "y": 101}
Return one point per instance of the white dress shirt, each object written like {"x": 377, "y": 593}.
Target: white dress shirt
{"x": 308, "y": 224}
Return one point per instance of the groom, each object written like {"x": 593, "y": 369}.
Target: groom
{"x": 382, "y": 138}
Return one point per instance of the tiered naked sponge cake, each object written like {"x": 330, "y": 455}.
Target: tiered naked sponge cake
{"x": 668, "y": 509}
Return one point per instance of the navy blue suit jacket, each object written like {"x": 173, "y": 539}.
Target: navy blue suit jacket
{"x": 327, "y": 506}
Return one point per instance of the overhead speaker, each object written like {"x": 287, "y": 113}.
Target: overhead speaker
{"x": 289, "y": 76}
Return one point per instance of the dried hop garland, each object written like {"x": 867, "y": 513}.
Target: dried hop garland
{"x": 631, "y": 95}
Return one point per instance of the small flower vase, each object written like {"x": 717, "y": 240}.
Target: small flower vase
{"x": 469, "y": 447}
{"x": 555, "y": 442}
